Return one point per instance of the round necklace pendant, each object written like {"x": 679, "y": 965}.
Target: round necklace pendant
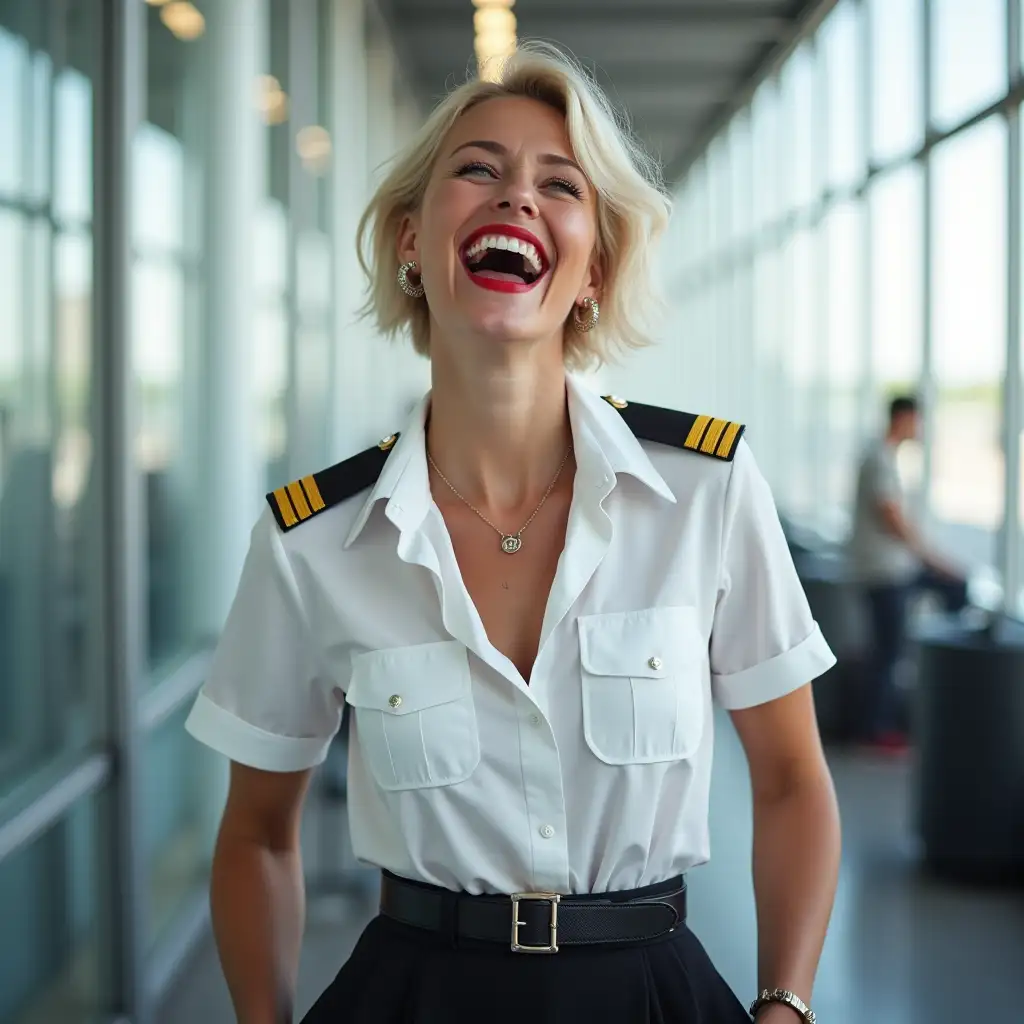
{"x": 511, "y": 544}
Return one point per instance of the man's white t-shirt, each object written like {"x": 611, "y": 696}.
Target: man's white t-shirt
{"x": 877, "y": 557}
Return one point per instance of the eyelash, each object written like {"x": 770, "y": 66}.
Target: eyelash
{"x": 570, "y": 186}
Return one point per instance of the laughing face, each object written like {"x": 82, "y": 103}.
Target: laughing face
{"x": 506, "y": 234}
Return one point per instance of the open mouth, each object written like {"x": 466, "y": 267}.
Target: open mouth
{"x": 504, "y": 260}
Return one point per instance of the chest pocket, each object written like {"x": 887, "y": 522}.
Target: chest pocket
{"x": 643, "y": 684}
{"x": 415, "y": 715}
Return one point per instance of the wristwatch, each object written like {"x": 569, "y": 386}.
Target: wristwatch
{"x": 787, "y": 998}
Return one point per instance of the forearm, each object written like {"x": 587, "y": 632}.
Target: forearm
{"x": 257, "y": 900}
{"x": 796, "y": 867}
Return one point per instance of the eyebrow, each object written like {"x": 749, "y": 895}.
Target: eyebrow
{"x": 499, "y": 150}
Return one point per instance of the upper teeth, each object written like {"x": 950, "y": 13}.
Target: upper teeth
{"x": 526, "y": 249}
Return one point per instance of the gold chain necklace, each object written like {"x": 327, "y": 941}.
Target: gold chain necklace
{"x": 510, "y": 542}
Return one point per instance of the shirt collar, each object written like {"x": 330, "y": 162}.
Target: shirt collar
{"x": 603, "y": 443}
{"x": 404, "y": 481}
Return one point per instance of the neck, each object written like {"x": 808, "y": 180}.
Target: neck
{"x": 499, "y": 433}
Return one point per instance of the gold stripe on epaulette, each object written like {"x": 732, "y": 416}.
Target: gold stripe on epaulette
{"x": 285, "y": 507}
{"x": 728, "y": 440}
{"x": 615, "y": 402}
{"x": 299, "y": 500}
{"x": 316, "y": 502}
{"x": 712, "y": 436}
{"x": 696, "y": 432}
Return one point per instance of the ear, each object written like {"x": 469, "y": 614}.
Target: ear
{"x": 406, "y": 242}
{"x": 593, "y": 283}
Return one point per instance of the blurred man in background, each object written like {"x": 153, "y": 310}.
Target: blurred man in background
{"x": 889, "y": 558}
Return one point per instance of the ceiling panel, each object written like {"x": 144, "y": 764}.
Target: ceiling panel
{"x": 677, "y": 67}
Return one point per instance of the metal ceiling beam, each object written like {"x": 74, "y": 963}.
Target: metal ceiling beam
{"x": 696, "y": 13}
{"x": 556, "y": 23}
{"x": 803, "y": 26}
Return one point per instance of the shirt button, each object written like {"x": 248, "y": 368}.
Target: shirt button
{"x": 534, "y": 719}
{"x": 655, "y": 663}
{"x": 547, "y": 831}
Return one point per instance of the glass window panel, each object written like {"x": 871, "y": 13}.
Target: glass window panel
{"x": 37, "y": 180}
{"x": 769, "y": 394}
{"x": 840, "y": 50}
{"x": 1017, "y": 568}
{"x": 845, "y": 361}
{"x": 72, "y": 197}
{"x": 51, "y": 963}
{"x": 801, "y": 368}
{"x": 897, "y": 239}
{"x": 969, "y": 337}
{"x": 49, "y": 607}
{"x": 897, "y": 55}
{"x": 766, "y": 155}
{"x": 968, "y": 57}
{"x": 799, "y": 129}
{"x": 183, "y": 790}
{"x": 168, "y": 337}
{"x": 740, "y": 172}
{"x": 718, "y": 189}
{"x": 14, "y": 60}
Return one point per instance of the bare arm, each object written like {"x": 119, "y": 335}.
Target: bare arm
{"x": 257, "y": 895}
{"x": 796, "y": 842}
{"x": 897, "y": 525}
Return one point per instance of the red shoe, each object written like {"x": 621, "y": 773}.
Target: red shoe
{"x": 893, "y": 743}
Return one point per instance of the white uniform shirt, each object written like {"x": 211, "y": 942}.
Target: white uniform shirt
{"x": 675, "y": 589}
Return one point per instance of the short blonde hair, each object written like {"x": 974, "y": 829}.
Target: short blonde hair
{"x": 632, "y": 207}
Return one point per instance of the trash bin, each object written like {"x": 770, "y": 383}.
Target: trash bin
{"x": 837, "y": 607}
{"x": 969, "y": 727}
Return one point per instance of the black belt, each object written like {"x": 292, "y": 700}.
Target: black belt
{"x": 538, "y": 922}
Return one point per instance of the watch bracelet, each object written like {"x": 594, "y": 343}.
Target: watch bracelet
{"x": 786, "y": 998}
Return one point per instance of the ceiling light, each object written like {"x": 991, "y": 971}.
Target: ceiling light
{"x": 494, "y": 26}
{"x": 314, "y": 145}
{"x": 183, "y": 19}
{"x": 271, "y": 100}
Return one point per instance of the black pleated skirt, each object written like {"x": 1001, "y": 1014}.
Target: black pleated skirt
{"x": 402, "y": 975}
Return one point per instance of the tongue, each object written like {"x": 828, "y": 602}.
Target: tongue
{"x": 497, "y": 275}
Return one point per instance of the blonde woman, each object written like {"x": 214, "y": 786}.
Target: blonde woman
{"x": 530, "y": 599}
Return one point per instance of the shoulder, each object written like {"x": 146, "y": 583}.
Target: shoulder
{"x": 302, "y": 499}
{"x": 699, "y": 433}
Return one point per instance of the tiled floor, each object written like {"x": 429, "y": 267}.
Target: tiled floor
{"x": 901, "y": 949}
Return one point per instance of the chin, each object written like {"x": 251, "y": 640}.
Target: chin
{"x": 506, "y": 326}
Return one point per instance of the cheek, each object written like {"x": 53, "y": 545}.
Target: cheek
{"x": 576, "y": 238}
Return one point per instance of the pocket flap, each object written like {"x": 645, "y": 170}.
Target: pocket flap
{"x": 653, "y": 643}
{"x": 402, "y": 680}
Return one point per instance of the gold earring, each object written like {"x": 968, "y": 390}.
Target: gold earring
{"x": 593, "y": 311}
{"x": 414, "y": 289}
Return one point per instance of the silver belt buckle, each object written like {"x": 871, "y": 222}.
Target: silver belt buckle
{"x": 550, "y": 897}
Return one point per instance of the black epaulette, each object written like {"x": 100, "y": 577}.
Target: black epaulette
{"x": 705, "y": 435}
{"x": 298, "y": 502}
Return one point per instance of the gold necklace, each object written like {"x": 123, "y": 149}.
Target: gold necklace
{"x": 510, "y": 542}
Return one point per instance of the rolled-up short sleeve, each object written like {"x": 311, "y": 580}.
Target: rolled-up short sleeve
{"x": 266, "y": 702}
{"x": 764, "y": 640}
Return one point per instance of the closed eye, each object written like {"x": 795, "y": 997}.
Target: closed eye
{"x": 568, "y": 186}
{"x": 476, "y": 167}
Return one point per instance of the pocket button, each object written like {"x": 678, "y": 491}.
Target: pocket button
{"x": 655, "y": 663}
{"x": 395, "y": 700}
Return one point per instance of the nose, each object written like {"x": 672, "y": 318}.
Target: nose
{"x": 518, "y": 195}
